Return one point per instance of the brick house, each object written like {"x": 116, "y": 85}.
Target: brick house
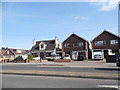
{"x": 11, "y": 53}
{"x": 74, "y": 46}
{"x": 45, "y": 48}
{"x": 106, "y": 43}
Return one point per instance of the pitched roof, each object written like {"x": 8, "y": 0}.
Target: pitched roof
{"x": 50, "y": 45}
{"x": 14, "y": 51}
{"x": 75, "y": 36}
{"x": 105, "y": 31}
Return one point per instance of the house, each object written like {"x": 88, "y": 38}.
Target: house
{"x": 11, "y": 53}
{"x": 75, "y": 46}
{"x": 106, "y": 44}
{"x": 45, "y": 48}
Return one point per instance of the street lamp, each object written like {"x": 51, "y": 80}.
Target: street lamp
{"x": 40, "y": 57}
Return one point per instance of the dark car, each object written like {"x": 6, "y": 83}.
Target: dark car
{"x": 81, "y": 57}
{"x": 118, "y": 60}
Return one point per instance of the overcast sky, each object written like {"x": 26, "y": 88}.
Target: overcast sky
{"x": 24, "y": 21}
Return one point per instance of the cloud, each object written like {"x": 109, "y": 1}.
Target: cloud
{"x": 84, "y": 18}
{"x": 105, "y": 5}
{"x": 81, "y": 18}
{"x": 76, "y": 17}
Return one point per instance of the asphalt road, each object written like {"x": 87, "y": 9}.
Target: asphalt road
{"x": 21, "y": 81}
{"x": 67, "y": 69}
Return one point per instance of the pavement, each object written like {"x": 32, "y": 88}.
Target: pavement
{"x": 63, "y": 74}
{"x": 27, "y": 81}
{"x": 95, "y": 75}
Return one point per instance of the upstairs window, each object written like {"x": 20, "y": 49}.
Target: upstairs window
{"x": 113, "y": 42}
{"x": 99, "y": 43}
{"x": 67, "y": 44}
{"x": 8, "y": 52}
{"x": 42, "y": 46}
{"x": 79, "y": 44}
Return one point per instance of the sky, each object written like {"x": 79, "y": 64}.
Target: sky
{"x": 22, "y": 22}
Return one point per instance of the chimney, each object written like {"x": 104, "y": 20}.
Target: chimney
{"x": 56, "y": 42}
{"x": 34, "y": 42}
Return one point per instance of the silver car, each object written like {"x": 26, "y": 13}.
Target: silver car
{"x": 55, "y": 56}
{"x": 97, "y": 56}
{"x": 66, "y": 56}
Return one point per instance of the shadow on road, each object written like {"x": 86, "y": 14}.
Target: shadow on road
{"x": 110, "y": 69}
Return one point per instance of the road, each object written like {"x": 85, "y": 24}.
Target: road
{"x": 57, "y": 68}
{"x": 21, "y": 81}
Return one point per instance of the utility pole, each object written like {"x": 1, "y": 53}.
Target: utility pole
{"x": 40, "y": 57}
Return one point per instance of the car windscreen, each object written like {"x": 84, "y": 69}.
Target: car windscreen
{"x": 66, "y": 55}
{"x": 52, "y": 55}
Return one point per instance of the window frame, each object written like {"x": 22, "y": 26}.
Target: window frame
{"x": 115, "y": 40}
{"x": 78, "y": 44}
{"x": 66, "y": 45}
{"x": 43, "y": 46}
{"x": 99, "y": 44}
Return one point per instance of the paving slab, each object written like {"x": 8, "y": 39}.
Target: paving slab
{"x": 63, "y": 74}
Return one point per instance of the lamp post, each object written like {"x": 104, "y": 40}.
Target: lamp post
{"x": 40, "y": 57}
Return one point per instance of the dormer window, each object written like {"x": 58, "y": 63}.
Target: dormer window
{"x": 42, "y": 46}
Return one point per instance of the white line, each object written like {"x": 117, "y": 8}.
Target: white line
{"x": 108, "y": 86}
{"x": 50, "y": 66}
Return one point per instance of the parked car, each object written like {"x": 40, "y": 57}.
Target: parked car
{"x": 118, "y": 60}
{"x": 66, "y": 56}
{"x": 97, "y": 56}
{"x": 55, "y": 56}
{"x": 8, "y": 60}
{"x": 36, "y": 58}
{"x": 81, "y": 57}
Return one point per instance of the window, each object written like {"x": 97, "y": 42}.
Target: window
{"x": 67, "y": 45}
{"x": 113, "y": 42}
{"x": 42, "y": 46}
{"x": 98, "y": 43}
{"x": 8, "y": 52}
{"x": 4, "y": 56}
{"x": 79, "y": 44}
{"x": 12, "y": 56}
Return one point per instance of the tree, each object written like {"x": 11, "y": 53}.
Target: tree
{"x": 4, "y": 48}
{"x": 30, "y": 57}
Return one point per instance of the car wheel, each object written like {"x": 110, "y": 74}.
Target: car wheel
{"x": 118, "y": 64}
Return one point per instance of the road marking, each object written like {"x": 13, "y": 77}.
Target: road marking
{"x": 76, "y": 66}
{"x": 108, "y": 86}
{"x": 50, "y": 66}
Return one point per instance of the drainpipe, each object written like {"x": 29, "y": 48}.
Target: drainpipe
{"x": 92, "y": 54}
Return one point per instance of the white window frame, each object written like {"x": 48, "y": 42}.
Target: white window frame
{"x": 44, "y": 46}
{"x": 104, "y": 43}
{"x": 79, "y": 44}
{"x": 66, "y": 45}
{"x": 115, "y": 42}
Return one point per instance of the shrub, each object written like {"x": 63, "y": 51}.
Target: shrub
{"x": 30, "y": 58}
{"x": 20, "y": 59}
